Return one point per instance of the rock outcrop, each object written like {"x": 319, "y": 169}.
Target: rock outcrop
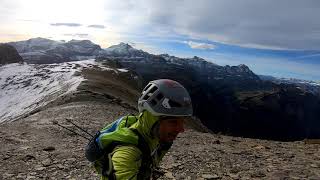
{"x": 8, "y": 54}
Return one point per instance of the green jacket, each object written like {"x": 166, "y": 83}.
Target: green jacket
{"x": 126, "y": 158}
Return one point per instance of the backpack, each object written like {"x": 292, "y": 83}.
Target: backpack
{"x": 101, "y": 157}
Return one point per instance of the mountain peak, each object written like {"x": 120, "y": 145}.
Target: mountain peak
{"x": 123, "y": 45}
{"x": 198, "y": 58}
{"x": 80, "y": 41}
{"x": 244, "y": 67}
{"x": 124, "y": 49}
{"x": 39, "y": 39}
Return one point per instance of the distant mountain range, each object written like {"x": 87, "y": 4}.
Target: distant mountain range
{"x": 288, "y": 80}
{"x": 45, "y": 51}
{"x": 309, "y": 86}
{"x": 227, "y": 99}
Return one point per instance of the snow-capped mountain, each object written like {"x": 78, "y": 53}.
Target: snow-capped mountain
{"x": 35, "y": 44}
{"x": 123, "y": 50}
{"x": 309, "y": 86}
{"x": 46, "y": 51}
{"x": 40, "y": 50}
{"x": 289, "y": 80}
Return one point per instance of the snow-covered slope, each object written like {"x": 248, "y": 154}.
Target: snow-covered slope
{"x": 306, "y": 85}
{"x": 46, "y": 51}
{"x": 25, "y": 87}
{"x": 123, "y": 50}
{"x": 35, "y": 45}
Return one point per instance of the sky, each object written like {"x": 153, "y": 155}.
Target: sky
{"x": 278, "y": 38}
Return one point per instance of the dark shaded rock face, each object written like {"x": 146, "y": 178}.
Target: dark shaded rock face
{"x": 8, "y": 54}
{"x": 287, "y": 113}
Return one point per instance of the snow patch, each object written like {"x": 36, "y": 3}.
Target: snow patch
{"x": 123, "y": 70}
{"x": 26, "y": 87}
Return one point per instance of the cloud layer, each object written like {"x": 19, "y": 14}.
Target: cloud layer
{"x": 197, "y": 45}
{"x": 79, "y": 35}
{"x": 97, "y": 26}
{"x": 266, "y": 24}
{"x": 66, "y": 24}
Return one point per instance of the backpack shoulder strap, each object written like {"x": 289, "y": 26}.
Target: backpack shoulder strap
{"x": 146, "y": 161}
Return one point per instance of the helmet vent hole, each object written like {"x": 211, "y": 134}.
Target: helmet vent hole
{"x": 153, "y": 102}
{"x": 146, "y": 97}
{"x": 159, "y": 96}
{"x": 174, "y": 104}
{"x": 147, "y": 87}
{"x": 152, "y": 90}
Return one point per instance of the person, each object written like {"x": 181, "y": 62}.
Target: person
{"x": 163, "y": 107}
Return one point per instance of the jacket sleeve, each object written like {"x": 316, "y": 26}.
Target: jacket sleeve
{"x": 126, "y": 162}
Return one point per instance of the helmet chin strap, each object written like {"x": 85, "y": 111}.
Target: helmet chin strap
{"x": 141, "y": 114}
{"x": 155, "y": 130}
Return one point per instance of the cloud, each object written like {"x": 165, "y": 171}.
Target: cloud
{"x": 8, "y": 6}
{"x": 308, "y": 56}
{"x": 28, "y": 20}
{"x": 80, "y": 35}
{"x": 263, "y": 24}
{"x": 66, "y": 24}
{"x": 197, "y": 45}
{"x": 97, "y": 26}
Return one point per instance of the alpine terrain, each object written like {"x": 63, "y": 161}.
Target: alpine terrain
{"x": 244, "y": 126}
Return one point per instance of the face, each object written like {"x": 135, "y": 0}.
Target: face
{"x": 170, "y": 128}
